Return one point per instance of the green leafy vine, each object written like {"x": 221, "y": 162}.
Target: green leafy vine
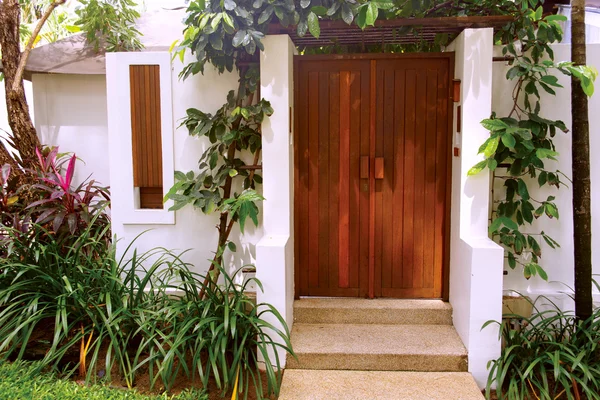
{"x": 233, "y": 130}
{"x": 521, "y": 144}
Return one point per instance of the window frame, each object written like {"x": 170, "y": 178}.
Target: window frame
{"x": 124, "y": 199}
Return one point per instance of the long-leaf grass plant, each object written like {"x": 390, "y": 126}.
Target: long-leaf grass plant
{"x": 86, "y": 310}
{"x": 549, "y": 355}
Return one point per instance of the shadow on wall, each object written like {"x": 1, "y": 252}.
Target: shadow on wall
{"x": 481, "y": 80}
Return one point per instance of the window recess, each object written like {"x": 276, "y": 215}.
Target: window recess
{"x": 146, "y": 136}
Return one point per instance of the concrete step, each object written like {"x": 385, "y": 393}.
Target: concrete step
{"x": 377, "y": 347}
{"x": 378, "y": 311}
{"x": 375, "y": 385}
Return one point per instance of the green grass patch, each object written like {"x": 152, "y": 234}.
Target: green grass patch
{"x": 21, "y": 380}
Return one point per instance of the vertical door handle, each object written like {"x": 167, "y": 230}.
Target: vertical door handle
{"x": 364, "y": 167}
{"x": 379, "y": 168}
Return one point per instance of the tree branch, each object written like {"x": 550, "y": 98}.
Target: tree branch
{"x": 25, "y": 55}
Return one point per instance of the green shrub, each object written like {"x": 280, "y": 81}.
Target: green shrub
{"x": 549, "y": 355}
{"x": 21, "y": 380}
{"x": 82, "y": 309}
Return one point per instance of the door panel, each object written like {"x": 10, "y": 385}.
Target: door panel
{"x": 411, "y": 136}
{"x": 331, "y": 135}
{"x": 353, "y": 116}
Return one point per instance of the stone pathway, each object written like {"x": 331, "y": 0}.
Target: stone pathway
{"x": 378, "y": 385}
{"x": 376, "y": 349}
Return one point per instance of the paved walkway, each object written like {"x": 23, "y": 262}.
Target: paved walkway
{"x": 377, "y": 385}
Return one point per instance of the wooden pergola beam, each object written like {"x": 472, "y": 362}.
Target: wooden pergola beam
{"x": 439, "y": 22}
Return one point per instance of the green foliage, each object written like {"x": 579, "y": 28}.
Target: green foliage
{"x": 67, "y": 208}
{"x": 59, "y": 25}
{"x": 22, "y": 380}
{"x": 521, "y": 144}
{"x": 85, "y": 309}
{"x": 551, "y": 354}
{"x": 112, "y": 21}
{"x": 223, "y": 32}
{"x": 234, "y": 127}
{"x": 59, "y": 209}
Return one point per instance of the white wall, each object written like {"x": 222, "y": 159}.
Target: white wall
{"x": 191, "y": 229}
{"x": 592, "y": 22}
{"x": 475, "y": 261}
{"x": 4, "y": 128}
{"x": 558, "y": 263}
{"x": 275, "y": 264}
{"x": 71, "y": 114}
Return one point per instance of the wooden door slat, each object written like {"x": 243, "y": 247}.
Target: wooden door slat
{"x": 409, "y": 181}
{"x": 146, "y": 136}
{"x": 302, "y": 187}
{"x": 356, "y": 98}
{"x": 344, "y": 202}
{"x": 398, "y": 195}
{"x": 443, "y": 162}
{"x": 158, "y": 131}
{"x": 419, "y": 178}
{"x": 334, "y": 176}
{"x": 364, "y": 204}
{"x": 388, "y": 172}
{"x": 430, "y": 180}
{"x": 323, "y": 176}
{"x": 313, "y": 179}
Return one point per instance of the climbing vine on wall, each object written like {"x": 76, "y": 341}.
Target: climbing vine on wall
{"x": 225, "y": 183}
{"x": 521, "y": 148}
{"x": 228, "y": 34}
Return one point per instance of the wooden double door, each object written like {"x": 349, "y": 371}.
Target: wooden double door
{"x": 372, "y": 139}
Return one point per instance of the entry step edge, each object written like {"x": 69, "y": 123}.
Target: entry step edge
{"x": 376, "y": 385}
{"x": 377, "y": 311}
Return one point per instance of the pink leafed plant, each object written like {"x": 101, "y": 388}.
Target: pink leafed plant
{"x": 65, "y": 208}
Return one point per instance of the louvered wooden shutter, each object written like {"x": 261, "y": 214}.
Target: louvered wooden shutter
{"x": 146, "y": 134}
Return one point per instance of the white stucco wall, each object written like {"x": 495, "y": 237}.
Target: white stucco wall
{"x": 592, "y": 22}
{"x": 557, "y": 263}
{"x": 190, "y": 229}
{"x": 72, "y": 115}
{"x": 275, "y": 263}
{"x": 475, "y": 261}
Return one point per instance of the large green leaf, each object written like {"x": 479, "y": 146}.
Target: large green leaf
{"x": 491, "y": 145}
{"x": 542, "y": 153}
{"x": 361, "y": 17}
{"x": 319, "y": 10}
{"x": 371, "y": 14}
{"x": 384, "y": 4}
{"x": 477, "y": 168}
{"x": 508, "y": 140}
{"x": 494, "y": 124}
{"x": 522, "y": 188}
{"x": 238, "y": 38}
{"x": 347, "y": 14}
{"x": 313, "y": 25}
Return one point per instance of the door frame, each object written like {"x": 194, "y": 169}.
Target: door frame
{"x": 450, "y": 56}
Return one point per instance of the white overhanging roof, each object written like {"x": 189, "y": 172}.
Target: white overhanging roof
{"x": 72, "y": 55}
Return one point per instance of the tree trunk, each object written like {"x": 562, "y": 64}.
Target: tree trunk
{"x": 582, "y": 229}
{"x": 23, "y": 132}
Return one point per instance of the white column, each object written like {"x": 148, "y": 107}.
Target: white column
{"x": 476, "y": 262}
{"x": 275, "y": 251}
